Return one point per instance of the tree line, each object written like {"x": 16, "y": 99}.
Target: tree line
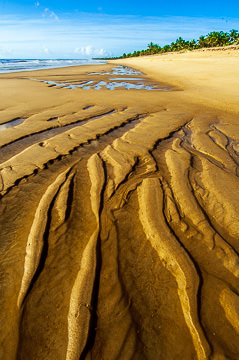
{"x": 213, "y": 39}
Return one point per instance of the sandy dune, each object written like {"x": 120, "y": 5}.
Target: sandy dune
{"x": 119, "y": 211}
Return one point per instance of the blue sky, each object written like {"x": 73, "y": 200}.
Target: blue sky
{"x": 81, "y": 29}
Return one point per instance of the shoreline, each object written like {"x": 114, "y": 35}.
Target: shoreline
{"x": 32, "y": 63}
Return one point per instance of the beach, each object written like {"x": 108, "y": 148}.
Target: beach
{"x": 119, "y": 210}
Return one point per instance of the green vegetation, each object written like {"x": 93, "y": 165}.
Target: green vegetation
{"x": 213, "y": 39}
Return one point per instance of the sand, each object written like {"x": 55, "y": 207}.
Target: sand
{"x": 119, "y": 212}
{"x": 206, "y": 77}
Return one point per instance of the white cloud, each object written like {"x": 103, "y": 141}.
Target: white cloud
{"x": 46, "y": 50}
{"x": 50, "y": 14}
{"x": 53, "y": 15}
{"x": 37, "y": 4}
{"x": 90, "y": 51}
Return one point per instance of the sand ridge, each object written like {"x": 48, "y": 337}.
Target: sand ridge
{"x": 119, "y": 213}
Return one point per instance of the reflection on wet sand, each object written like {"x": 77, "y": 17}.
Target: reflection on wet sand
{"x": 136, "y": 83}
{"x": 11, "y": 123}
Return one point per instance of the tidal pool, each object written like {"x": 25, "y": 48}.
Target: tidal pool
{"x": 11, "y": 123}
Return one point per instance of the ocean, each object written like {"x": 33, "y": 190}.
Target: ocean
{"x": 13, "y": 65}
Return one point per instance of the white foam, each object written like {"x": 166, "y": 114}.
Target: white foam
{"x": 15, "y": 65}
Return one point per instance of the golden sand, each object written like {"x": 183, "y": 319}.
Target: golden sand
{"x": 119, "y": 212}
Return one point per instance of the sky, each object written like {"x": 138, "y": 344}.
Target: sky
{"x": 49, "y": 29}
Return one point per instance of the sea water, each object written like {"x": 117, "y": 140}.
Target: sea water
{"x": 13, "y": 65}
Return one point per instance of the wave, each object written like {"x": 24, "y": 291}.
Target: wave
{"x": 16, "y": 65}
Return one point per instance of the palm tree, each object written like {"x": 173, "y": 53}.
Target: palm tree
{"x": 202, "y": 42}
{"x": 192, "y": 44}
{"x": 180, "y": 43}
{"x": 166, "y": 48}
{"x": 218, "y": 38}
{"x": 234, "y": 36}
{"x": 214, "y": 38}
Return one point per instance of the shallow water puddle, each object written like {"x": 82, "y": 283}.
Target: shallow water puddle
{"x": 71, "y": 86}
{"x": 127, "y": 78}
{"x": 119, "y": 70}
{"x": 11, "y": 123}
{"x": 125, "y": 70}
{"x": 113, "y": 85}
{"x": 127, "y": 83}
{"x": 138, "y": 85}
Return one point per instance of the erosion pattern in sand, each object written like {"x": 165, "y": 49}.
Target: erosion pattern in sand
{"x": 119, "y": 223}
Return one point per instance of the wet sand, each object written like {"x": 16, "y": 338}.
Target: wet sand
{"x": 119, "y": 211}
